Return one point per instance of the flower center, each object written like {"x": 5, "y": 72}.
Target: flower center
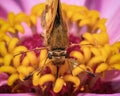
{"x": 89, "y": 52}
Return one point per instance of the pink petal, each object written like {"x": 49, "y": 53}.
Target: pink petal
{"x": 113, "y": 76}
{"x": 28, "y": 31}
{"x": 110, "y": 10}
{"x": 81, "y": 94}
{"x": 86, "y": 94}
{"x": 74, "y": 2}
{"x": 3, "y": 78}
{"x": 39, "y": 27}
{"x": 28, "y": 4}
{"x": 10, "y": 6}
{"x": 109, "y": 7}
{"x": 113, "y": 26}
{"x": 26, "y": 94}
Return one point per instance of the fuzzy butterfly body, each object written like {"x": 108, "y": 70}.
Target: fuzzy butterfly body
{"x": 56, "y": 33}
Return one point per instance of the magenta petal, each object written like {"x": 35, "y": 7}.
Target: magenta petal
{"x": 93, "y": 4}
{"x": 86, "y": 94}
{"x": 26, "y": 94}
{"x": 113, "y": 76}
{"x": 10, "y": 5}
{"x": 81, "y": 94}
{"x": 28, "y": 4}
{"x": 3, "y": 13}
{"x": 3, "y": 78}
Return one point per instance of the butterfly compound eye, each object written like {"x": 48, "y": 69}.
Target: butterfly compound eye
{"x": 49, "y": 55}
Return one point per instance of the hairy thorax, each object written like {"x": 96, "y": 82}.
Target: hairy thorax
{"x": 58, "y": 38}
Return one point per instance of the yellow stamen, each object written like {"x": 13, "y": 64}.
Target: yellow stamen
{"x": 12, "y": 79}
{"x": 89, "y": 37}
{"x": 38, "y": 9}
{"x": 114, "y": 59}
{"x": 52, "y": 68}
{"x": 46, "y": 78}
{"x": 116, "y": 66}
{"x": 3, "y": 49}
{"x": 115, "y": 48}
{"x": 35, "y": 79}
{"x": 78, "y": 55}
{"x": 33, "y": 19}
{"x": 12, "y": 44}
{"x": 64, "y": 68}
{"x": 43, "y": 56}
{"x": 95, "y": 51}
{"x": 16, "y": 61}
{"x": 95, "y": 60}
{"x": 17, "y": 53}
{"x": 25, "y": 61}
{"x": 21, "y": 77}
{"x": 74, "y": 79}
{"x": 117, "y": 44}
{"x": 2, "y": 22}
{"x": 6, "y": 38}
{"x": 1, "y": 60}
{"x": 11, "y": 29}
{"x": 32, "y": 58}
{"x": 58, "y": 85}
{"x": 84, "y": 22}
{"x": 101, "y": 38}
{"x": 101, "y": 68}
{"x": 22, "y": 69}
{"x": 7, "y": 59}
{"x": 19, "y": 49}
{"x": 7, "y": 69}
{"x": 84, "y": 42}
{"x": 22, "y": 17}
{"x": 19, "y": 28}
{"x": 11, "y": 17}
{"x": 86, "y": 52}
{"x": 79, "y": 69}
{"x": 4, "y": 28}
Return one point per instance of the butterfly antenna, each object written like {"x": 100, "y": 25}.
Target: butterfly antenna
{"x": 22, "y": 52}
{"x": 28, "y": 77}
{"x": 87, "y": 71}
{"x": 43, "y": 66}
{"x": 39, "y": 69}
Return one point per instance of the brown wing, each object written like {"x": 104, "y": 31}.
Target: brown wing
{"x": 49, "y": 14}
{"x": 55, "y": 27}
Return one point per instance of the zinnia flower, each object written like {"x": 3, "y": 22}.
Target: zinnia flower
{"x": 95, "y": 49}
